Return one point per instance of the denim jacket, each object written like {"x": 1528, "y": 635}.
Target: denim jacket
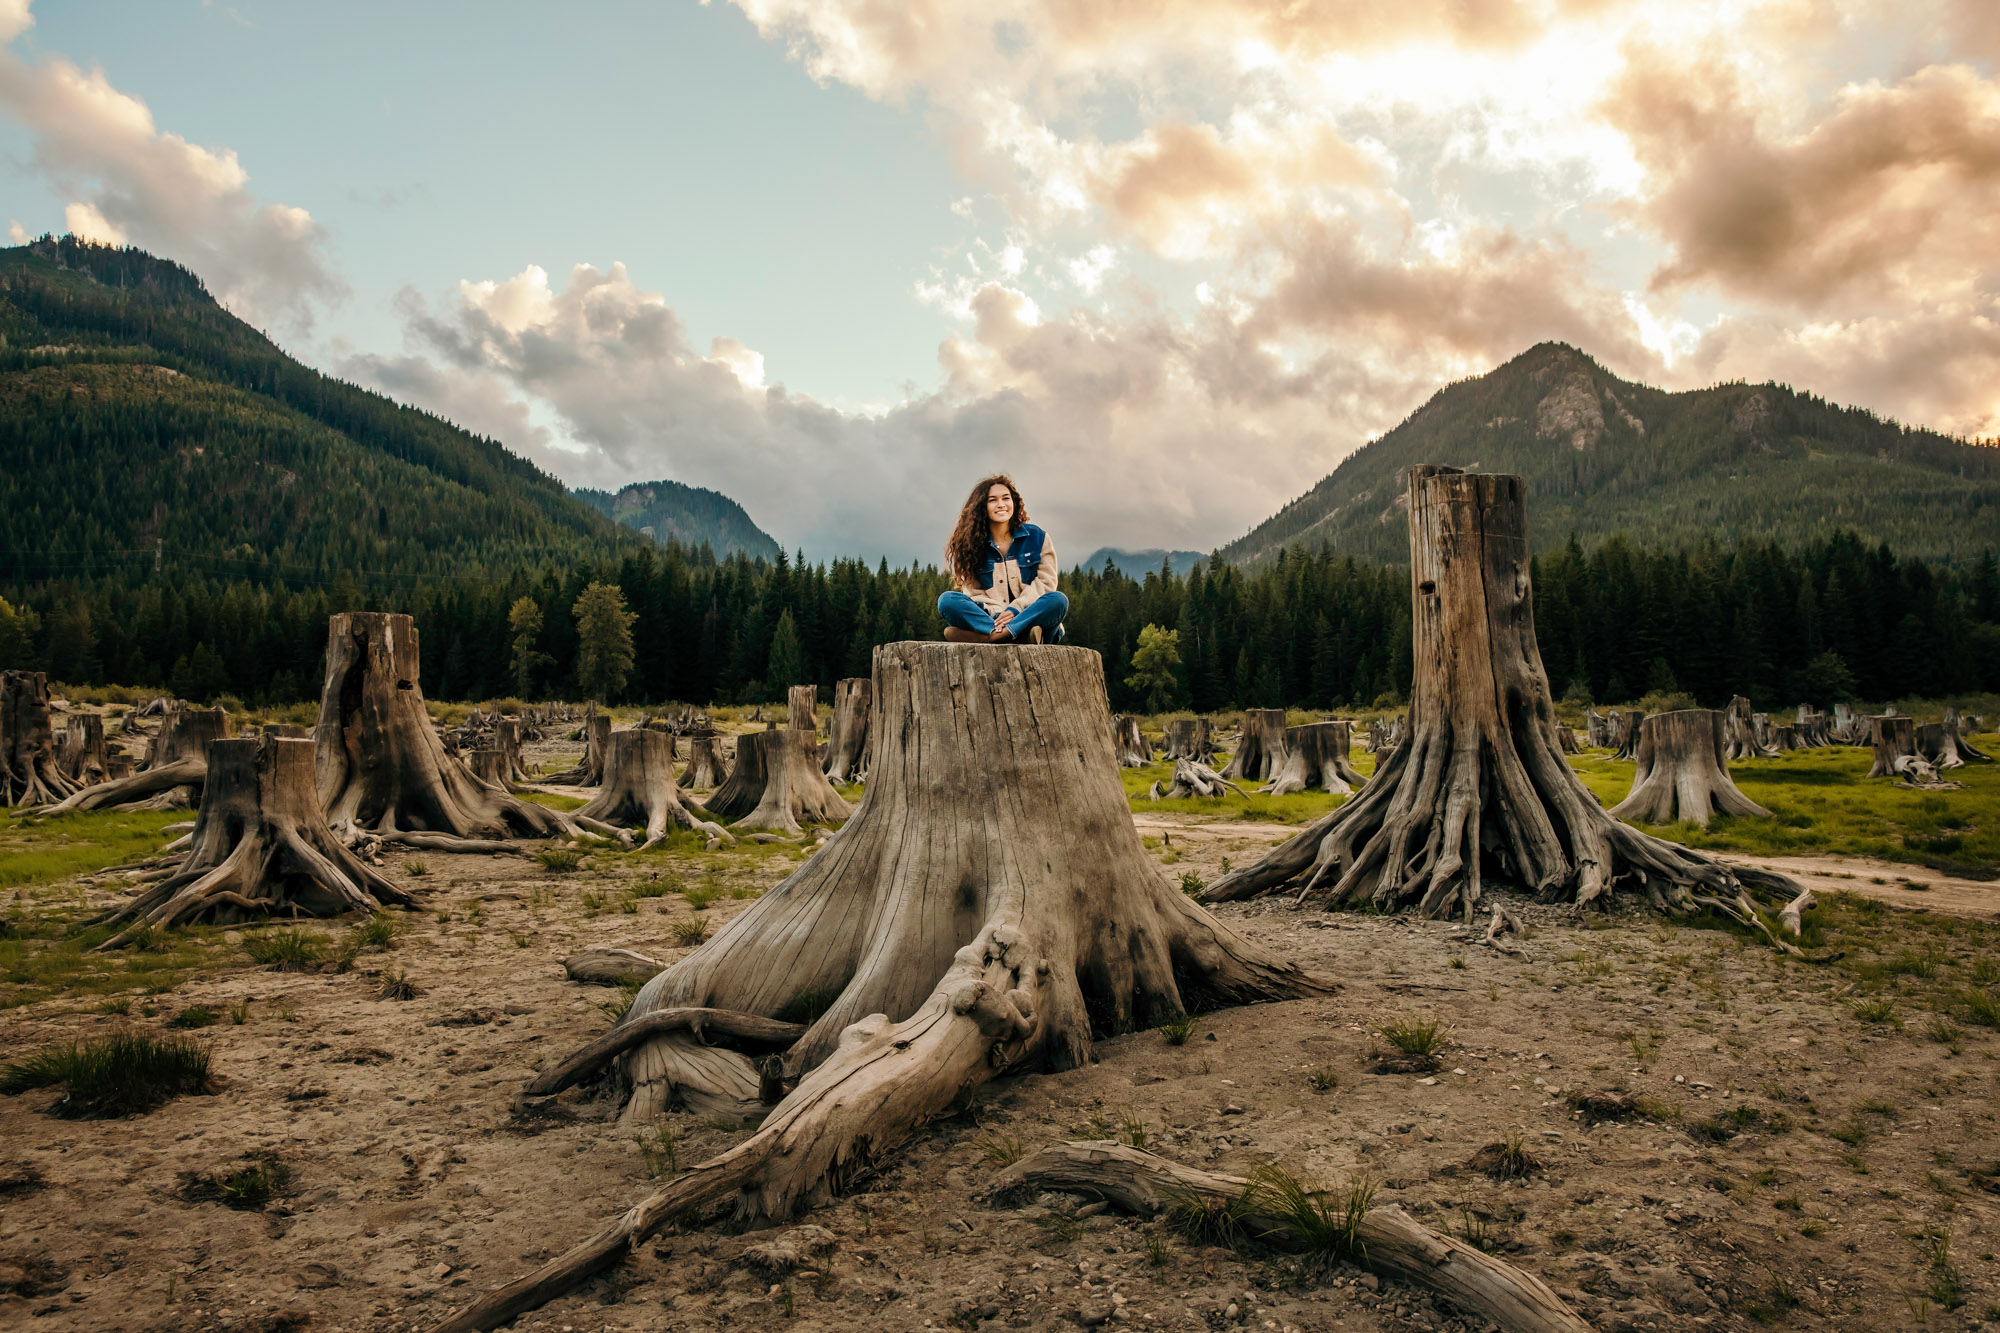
{"x": 1025, "y": 574}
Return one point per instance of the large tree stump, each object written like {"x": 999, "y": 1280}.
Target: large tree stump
{"x": 1316, "y": 758}
{"x": 1628, "y": 735}
{"x": 705, "y": 767}
{"x": 260, "y": 847}
{"x": 30, "y": 770}
{"x": 507, "y": 733}
{"x": 1963, "y": 729}
{"x": 1260, "y": 749}
{"x": 1939, "y": 745}
{"x": 802, "y": 708}
{"x": 1596, "y": 730}
{"x": 1894, "y": 741}
{"x": 381, "y": 767}
{"x": 83, "y": 757}
{"x": 777, "y": 784}
{"x": 490, "y": 767}
{"x": 1188, "y": 738}
{"x": 967, "y": 925}
{"x": 1739, "y": 732}
{"x": 1682, "y": 772}
{"x": 174, "y": 773}
{"x": 847, "y": 734}
{"x": 1479, "y": 788}
{"x": 589, "y": 771}
{"x": 1133, "y": 749}
{"x": 639, "y": 790}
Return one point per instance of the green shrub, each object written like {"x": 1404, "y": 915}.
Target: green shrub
{"x": 1178, "y": 1029}
{"x": 558, "y": 860}
{"x": 1415, "y": 1036}
{"x": 290, "y": 950}
{"x": 194, "y": 1016}
{"x": 379, "y": 931}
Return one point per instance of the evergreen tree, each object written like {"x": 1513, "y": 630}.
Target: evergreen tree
{"x": 527, "y": 660}
{"x": 787, "y": 663}
{"x": 603, "y": 641}
{"x": 17, "y": 637}
{"x": 1156, "y": 668}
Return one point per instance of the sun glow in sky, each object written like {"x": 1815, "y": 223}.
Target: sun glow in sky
{"x": 1168, "y": 263}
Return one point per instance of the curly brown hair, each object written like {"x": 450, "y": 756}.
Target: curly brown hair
{"x": 968, "y": 535}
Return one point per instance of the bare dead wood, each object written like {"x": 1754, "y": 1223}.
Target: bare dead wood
{"x": 639, "y": 790}
{"x": 1191, "y": 778}
{"x": 1682, "y": 774}
{"x": 777, "y": 784}
{"x": 1629, "y": 731}
{"x": 1188, "y": 738}
{"x": 752, "y": 1028}
{"x": 1385, "y": 1239}
{"x": 490, "y": 767}
{"x": 381, "y": 767}
{"x": 847, "y": 733}
{"x": 1134, "y": 750}
{"x": 260, "y": 846}
{"x": 1740, "y": 732}
{"x": 611, "y": 967}
{"x": 589, "y": 771}
{"x": 802, "y": 708}
{"x": 1316, "y": 759}
{"x": 30, "y": 769}
{"x": 1260, "y": 749}
{"x": 705, "y": 766}
{"x": 175, "y": 771}
{"x": 1480, "y": 787}
{"x": 1016, "y": 965}
{"x": 83, "y": 757}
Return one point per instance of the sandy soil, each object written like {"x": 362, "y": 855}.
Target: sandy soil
{"x": 413, "y": 1185}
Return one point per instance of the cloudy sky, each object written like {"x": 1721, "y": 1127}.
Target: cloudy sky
{"x": 1167, "y": 261}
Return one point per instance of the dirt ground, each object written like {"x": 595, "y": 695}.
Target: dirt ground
{"x": 1784, "y": 1162}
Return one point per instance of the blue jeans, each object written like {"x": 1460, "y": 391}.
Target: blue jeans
{"x": 1046, "y": 611}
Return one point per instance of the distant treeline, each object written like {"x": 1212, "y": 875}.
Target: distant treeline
{"x": 1837, "y": 619}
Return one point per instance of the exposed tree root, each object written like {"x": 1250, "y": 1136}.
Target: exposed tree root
{"x": 1385, "y": 1239}
{"x": 639, "y": 789}
{"x": 1316, "y": 757}
{"x": 1682, "y": 772}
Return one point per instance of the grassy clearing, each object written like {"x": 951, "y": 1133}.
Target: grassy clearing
{"x": 41, "y": 960}
{"x": 1299, "y": 808}
{"x": 42, "y": 851}
{"x": 1822, "y": 805}
{"x": 1896, "y": 967}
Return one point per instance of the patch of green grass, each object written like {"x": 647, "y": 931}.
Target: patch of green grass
{"x": 194, "y": 1016}
{"x": 660, "y": 1151}
{"x": 1416, "y": 1036}
{"x": 1001, "y": 1149}
{"x": 1318, "y": 1220}
{"x": 41, "y": 850}
{"x": 1881, "y": 1011}
{"x": 655, "y": 886}
{"x": 416, "y": 868}
{"x": 1980, "y": 1007}
{"x": 393, "y": 985}
{"x": 1322, "y": 1078}
{"x": 553, "y": 801}
{"x": 292, "y": 949}
{"x": 687, "y": 931}
{"x": 1178, "y": 1029}
{"x": 558, "y": 860}
{"x": 125, "y": 1073}
{"x": 379, "y": 931}
{"x": 44, "y": 957}
{"x": 700, "y": 896}
{"x": 1822, "y": 803}
{"x": 1192, "y": 883}
{"x": 255, "y": 1184}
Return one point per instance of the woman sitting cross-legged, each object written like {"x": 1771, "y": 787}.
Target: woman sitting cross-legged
{"x": 1003, "y": 569}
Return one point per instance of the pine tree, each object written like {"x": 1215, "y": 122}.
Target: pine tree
{"x": 787, "y": 664}
{"x": 604, "y": 641}
{"x": 527, "y": 660}
{"x": 1156, "y": 669}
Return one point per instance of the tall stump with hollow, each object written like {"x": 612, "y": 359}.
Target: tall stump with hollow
{"x": 1479, "y": 788}
{"x": 382, "y": 768}
{"x": 1260, "y": 750}
{"x": 639, "y": 791}
{"x": 84, "y": 758}
{"x": 962, "y": 926}
{"x": 1683, "y": 772}
{"x": 260, "y": 847}
{"x": 847, "y": 734}
{"x": 705, "y": 767}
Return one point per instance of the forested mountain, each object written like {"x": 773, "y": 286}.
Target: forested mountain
{"x": 147, "y": 434}
{"x": 1138, "y": 564}
{"x": 1741, "y": 462}
{"x": 668, "y": 511}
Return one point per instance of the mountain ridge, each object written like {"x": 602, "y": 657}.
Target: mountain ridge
{"x": 1604, "y": 456}
{"x": 691, "y": 515}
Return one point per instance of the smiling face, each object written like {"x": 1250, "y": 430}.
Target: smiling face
{"x": 999, "y": 503}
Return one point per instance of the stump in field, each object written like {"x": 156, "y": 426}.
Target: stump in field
{"x": 260, "y": 847}
{"x": 1785, "y": 737}
{"x": 1739, "y": 732}
{"x": 801, "y": 708}
{"x": 1963, "y": 729}
{"x": 639, "y": 790}
{"x": 1316, "y": 759}
{"x": 1894, "y": 741}
{"x": 30, "y": 769}
{"x": 777, "y": 784}
{"x": 1628, "y": 734}
{"x": 174, "y": 773}
{"x": 1940, "y": 745}
{"x": 381, "y": 767}
{"x": 1134, "y": 751}
{"x": 705, "y": 767}
{"x": 83, "y": 758}
{"x": 1260, "y": 750}
{"x": 1683, "y": 773}
{"x": 1596, "y": 730}
{"x": 847, "y": 734}
{"x": 1188, "y": 738}
{"x": 490, "y": 767}
{"x": 966, "y": 926}
{"x": 1849, "y": 727}
{"x": 1479, "y": 788}
{"x": 507, "y": 740}
{"x": 589, "y": 771}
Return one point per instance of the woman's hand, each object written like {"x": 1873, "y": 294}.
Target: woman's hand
{"x": 1004, "y": 619}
